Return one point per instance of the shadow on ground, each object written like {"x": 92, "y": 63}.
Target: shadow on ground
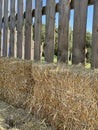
{"x": 12, "y": 118}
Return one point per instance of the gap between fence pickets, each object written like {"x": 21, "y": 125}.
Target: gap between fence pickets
{"x": 90, "y": 2}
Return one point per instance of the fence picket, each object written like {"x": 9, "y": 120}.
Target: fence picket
{"x": 0, "y": 24}
{"x": 28, "y": 27}
{"x": 12, "y": 28}
{"x": 28, "y": 49}
{"x": 94, "y": 59}
{"x": 20, "y": 29}
{"x": 50, "y": 25}
{"x": 5, "y": 33}
{"x": 79, "y": 39}
{"x": 37, "y": 29}
{"x": 64, "y": 14}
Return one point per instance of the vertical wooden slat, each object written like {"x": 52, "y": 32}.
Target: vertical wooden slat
{"x": 28, "y": 27}
{"x": 20, "y": 29}
{"x": 79, "y": 32}
{"x": 12, "y": 28}
{"x": 5, "y": 33}
{"x": 64, "y": 15}
{"x": 37, "y": 29}
{"x": 0, "y": 24}
{"x": 94, "y": 59}
{"x": 50, "y": 25}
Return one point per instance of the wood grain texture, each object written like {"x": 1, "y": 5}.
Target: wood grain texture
{"x": 63, "y": 38}
{"x": 20, "y": 29}
{"x": 12, "y": 28}
{"x": 94, "y": 52}
{"x": 37, "y": 29}
{"x": 28, "y": 27}
{"x": 0, "y": 24}
{"x": 50, "y": 25}
{"x": 79, "y": 31}
{"x": 5, "y": 32}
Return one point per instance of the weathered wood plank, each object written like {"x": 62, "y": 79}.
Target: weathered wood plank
{"x": 37, "y": 29}
{"x": 20, "y": 29}
{"x": 5, "y": 33}
{"x": 94, "y": 52}
{"x": 90, "y": 2}
{"x": 79, "y": 31}
{"x": 64, "y": 15}
{"x": 28, "y": 27}
{"x": 12, "y": 28}
{"x": 0, "y": 24}
{"x": 50, "y": 25}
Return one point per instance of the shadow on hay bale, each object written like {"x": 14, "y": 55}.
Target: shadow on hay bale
{"x": 66, "y": 97}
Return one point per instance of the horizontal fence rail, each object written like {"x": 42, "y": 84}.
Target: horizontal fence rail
{"x": 90, "y": 2}
{"x": 21, "y": 38}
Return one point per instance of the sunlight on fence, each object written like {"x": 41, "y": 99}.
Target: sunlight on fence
{"x": 22, "y": 34}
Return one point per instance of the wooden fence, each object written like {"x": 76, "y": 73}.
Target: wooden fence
{"x": 13, "y": 42}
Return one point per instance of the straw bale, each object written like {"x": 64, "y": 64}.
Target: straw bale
{"x": 16, "y": 82}
{"x": 64, "y": 96}
{"x": 67, "y": 98}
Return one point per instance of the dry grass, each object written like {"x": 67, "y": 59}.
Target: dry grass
{"x": 64, "y": 96}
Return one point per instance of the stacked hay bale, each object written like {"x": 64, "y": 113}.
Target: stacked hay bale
{"x": 66, "y": 97}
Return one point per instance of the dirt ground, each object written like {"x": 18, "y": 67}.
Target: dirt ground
{"x": 12, "y": 118}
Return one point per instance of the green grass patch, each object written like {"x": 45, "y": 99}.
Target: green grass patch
{"x": 87, "y": 65}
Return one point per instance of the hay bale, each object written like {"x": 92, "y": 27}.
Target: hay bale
{"x": 65, "y": 96}
{"x": 16, "y": 82}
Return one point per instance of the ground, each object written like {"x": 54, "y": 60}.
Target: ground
{"x": 12, "y": 118}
